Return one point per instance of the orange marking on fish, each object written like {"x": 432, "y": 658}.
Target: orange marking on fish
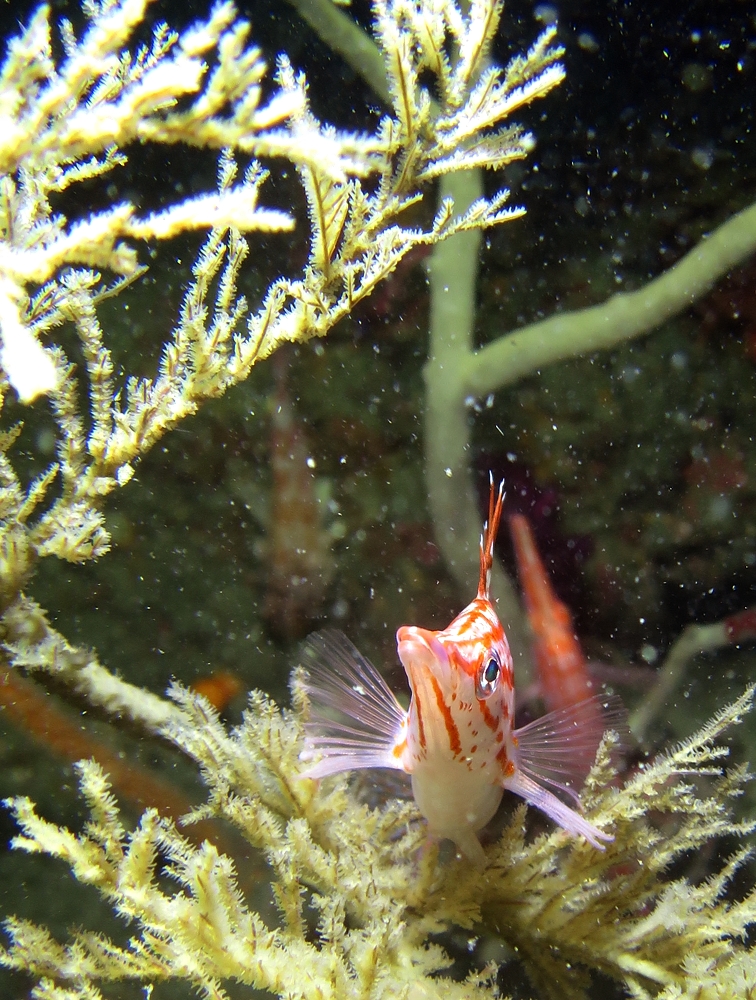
{"x": 420, "y": 726}
{"x": 488, "y": 718}
{"x": 446, "y": 714}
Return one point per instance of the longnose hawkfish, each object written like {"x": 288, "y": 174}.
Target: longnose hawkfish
{"x": 561, "y": 667}
{"x": 457, "y": 741}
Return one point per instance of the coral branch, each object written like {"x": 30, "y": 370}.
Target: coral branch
{"x": 564, "y": 907}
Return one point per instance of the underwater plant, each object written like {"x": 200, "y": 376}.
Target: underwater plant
{"x": 360, "y": 894}
{"x": 204, "y": 88}
{"x": 471, "y": 361}
{"x": 362, "y": 901}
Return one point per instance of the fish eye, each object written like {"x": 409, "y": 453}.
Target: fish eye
{"x": 488, "y": 677}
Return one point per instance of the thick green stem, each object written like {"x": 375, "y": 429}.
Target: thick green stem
{"x": 451, "y": 495}
{"x": 337, "y": 29}
{"x": 513, "y": 356}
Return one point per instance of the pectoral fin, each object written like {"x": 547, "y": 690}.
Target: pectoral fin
{"x": 555, "y": 809}
{"x": 559, "y": 748}
{"x": 355, "y": 721}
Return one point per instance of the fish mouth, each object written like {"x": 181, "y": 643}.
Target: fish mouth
{"x": 429, "y": 672}
{"x": 422, "y": 654}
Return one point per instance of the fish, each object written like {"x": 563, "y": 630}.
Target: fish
{"x": 300, "y": 560}
{"x": 457, "y": 740}
{"x": 562, "y": 670}
{"x": 561, "y": 664}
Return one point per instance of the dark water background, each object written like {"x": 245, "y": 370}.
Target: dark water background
{"x": 637, "y": 465}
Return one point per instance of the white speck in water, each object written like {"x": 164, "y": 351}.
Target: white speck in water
{"x": 46, "y": 442}
{"x": 546, "y": 13}
{"x": 649, "y": 653}
{"x": 340, "y": 608}
{"x": 720, "y": 509}
{"x": 587, "y": 42}
{"x": 702, "y": 157}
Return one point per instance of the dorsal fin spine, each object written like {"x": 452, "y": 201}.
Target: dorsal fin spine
{"x": 491, "y": 528}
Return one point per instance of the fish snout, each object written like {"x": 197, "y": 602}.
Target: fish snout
{"x": 421, "y": 652}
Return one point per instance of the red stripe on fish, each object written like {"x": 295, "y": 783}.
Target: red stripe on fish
{"x": 446, "y": 714}
{"x": 420, "y": 727}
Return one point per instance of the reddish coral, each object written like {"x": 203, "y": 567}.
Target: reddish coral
{"x": 219, "y": 688}
{"x": 722, "y": 472}
{"x": 741, "y": 627}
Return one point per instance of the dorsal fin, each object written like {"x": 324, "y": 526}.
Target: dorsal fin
{"x": 490, "y": 530}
